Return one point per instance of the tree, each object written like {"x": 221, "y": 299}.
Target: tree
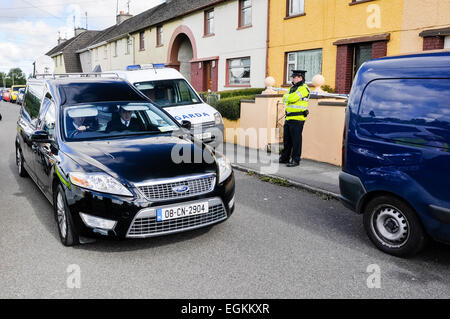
{"x": 16, "y": 77}
{"x": 3, "y": 79}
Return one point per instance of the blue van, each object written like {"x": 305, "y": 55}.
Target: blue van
{"x": 396, "y": 151}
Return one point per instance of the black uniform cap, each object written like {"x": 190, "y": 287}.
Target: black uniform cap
{"x": 298, "y": 73}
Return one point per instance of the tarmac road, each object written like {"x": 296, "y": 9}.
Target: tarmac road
{"x": 281, "y": 242}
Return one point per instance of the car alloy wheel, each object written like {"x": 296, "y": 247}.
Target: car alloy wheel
{"x": 61, "y": 215}
{"x": 19, "y": 161}
{"x": 67, "y": 230}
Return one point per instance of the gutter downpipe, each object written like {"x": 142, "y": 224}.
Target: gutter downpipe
{"x": 268, "y": 38}
{"x": 132, "y": 39}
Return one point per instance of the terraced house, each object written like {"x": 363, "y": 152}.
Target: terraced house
{"x": 65, "y": 53}
{"x": 214, "y": 44}
{"x": 334, "y": 37}
{"x": 227, "y": 44}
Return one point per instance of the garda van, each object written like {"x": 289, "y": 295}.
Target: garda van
{"x": 396, "y": 151}
{"x": 170, "y": 90}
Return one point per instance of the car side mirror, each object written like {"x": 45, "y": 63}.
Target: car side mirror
{"x": 186, "y": 125}
{"x": 40, "y": 137}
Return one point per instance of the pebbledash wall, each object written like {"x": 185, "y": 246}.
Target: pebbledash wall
{"x": 185, "y": 38}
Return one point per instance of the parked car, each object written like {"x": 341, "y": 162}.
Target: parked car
{"x": 20, "y": 96}
{"x": 1, "y": 94}
{"x": 169, "y": 89}
{"x": 106, "y": 179}
{"x": 15, "y": 92}
{"x": 6, "y": 95}
{"x": 396, "y": 152}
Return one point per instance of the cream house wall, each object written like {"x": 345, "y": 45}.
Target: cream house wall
{"x": 152, "y": 52}
{"x": 122, "y": 59}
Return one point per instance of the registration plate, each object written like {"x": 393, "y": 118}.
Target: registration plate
{"x": 203, "y": 136}
{"x": 181, "y": 211}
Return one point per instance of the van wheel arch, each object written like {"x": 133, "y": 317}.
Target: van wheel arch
{"x": 371, "y": 195}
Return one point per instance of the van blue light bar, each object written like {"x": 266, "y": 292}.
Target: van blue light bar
{"x": 133, "y": 67}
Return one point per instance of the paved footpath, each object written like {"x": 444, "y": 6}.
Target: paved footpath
{"x": 314, "y": 176}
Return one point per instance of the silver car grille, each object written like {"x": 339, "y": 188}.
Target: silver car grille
{"x": 148, "y": 226}
{"x": 164, "y": 190}
{"x": 204, "y": 125}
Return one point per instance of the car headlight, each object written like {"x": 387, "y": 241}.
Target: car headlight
{"x": 218, "y": 118}
{"x": 99, "y": 182}
{"x": 225, "y": 169}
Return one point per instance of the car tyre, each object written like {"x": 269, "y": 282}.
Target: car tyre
{"x": 394, "y": 227}
{"x": 19, "y": 161}
{"x": 66, "y": 227}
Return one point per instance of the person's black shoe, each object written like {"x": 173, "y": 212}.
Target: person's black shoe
{"x": 282, "y": 161}
{"x": 293, "y": 164}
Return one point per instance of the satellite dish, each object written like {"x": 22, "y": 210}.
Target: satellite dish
{"x": 44, "y": 65}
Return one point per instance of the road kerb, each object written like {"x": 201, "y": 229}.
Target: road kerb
{"x": 295, "y": 184}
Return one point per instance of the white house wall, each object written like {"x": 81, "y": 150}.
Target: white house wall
{"x": 229, "y": 42}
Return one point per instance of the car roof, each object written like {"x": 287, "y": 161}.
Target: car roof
{"x": 416, "y": 65}
{"x": 69, "y": 90}
{"x": 150, "y": 74}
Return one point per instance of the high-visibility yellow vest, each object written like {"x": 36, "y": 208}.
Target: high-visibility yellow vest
{"x": 297, "y": 102}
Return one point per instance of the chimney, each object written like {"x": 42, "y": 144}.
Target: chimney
{"x": 122, "y": 16}
{"x": 61, "y": 40}
{"x": 79, "y": 31}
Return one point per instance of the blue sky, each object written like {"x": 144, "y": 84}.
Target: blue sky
{"x": 30, "y": 28}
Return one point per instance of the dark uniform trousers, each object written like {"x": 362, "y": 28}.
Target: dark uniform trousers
{"x": 293, "y": 130}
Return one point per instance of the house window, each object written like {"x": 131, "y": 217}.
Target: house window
{"x": 362, "y": 53}
{"x": 56, "y": 61}
{"x": 141, "y": 41}
{"x": 238, "y": 71}
{"x": 245, "y": 13}
{"x": 209, "y": 22}
{"x": 129, "y": 42}
{"x": 159, "y": 36}
{"x": 105, "y": 52}
{"x": 295, "y": 7}
{"x": 115, "y": 48}
{"x": 447, "y": 42}
{"x": 310, "y": 60}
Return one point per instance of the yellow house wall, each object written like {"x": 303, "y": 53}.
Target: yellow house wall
{"x": 60, "y": 67}
{"x": 434, "y": 14}
{"x": 325, "y": 22}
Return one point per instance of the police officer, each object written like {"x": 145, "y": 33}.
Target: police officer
{"x": 296, "y": 102}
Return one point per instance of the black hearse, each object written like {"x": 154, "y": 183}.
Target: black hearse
{"x": 114, "y": 164}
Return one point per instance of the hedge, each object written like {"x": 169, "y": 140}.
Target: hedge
{"x": 243, "y": 92}
{"x": 230, "y": 108}
{"x": 232, "y": 93}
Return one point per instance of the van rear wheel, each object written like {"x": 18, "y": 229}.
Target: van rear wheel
{"x": 393, "y": 226}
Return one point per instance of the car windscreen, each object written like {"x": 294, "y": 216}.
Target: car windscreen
{"x": 112, "y": 119}
{"x": 168, "y": 93}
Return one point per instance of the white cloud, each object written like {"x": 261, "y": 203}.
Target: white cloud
{"x": 30, "y": 28}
